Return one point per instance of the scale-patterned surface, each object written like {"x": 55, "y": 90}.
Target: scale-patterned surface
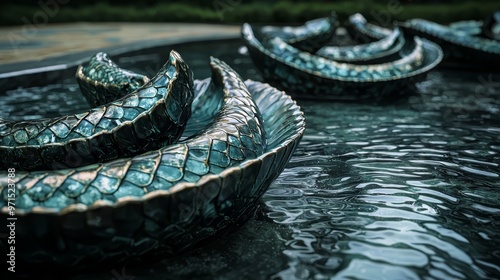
{"x": 234, "y": 135}
{"x": 174, "y": 220}
{"x": 383, "y": 50}
{"x": 152, "y": 116}
{"x": 308, "y": 76}
{"x": 102, "y": 81}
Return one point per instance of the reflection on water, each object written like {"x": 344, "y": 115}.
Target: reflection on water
{"x": 408, "y": 190}
{"x": 391, "y": 191}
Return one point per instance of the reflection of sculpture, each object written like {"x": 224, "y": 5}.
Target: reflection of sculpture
{"x": 169, "y": 199}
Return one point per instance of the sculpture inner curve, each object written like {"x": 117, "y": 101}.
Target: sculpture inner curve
{"x": 384, "y": 50}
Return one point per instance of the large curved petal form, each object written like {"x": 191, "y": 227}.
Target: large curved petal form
{"x": 458, "y": 46}
{"x": 384, "y": 50}
{"x": 364, "y": 32}
{"x": 150, "y": 117}
{"x": 164, "y": 201}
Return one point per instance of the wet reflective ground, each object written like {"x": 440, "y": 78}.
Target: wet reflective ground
{"x": 404, "y": 190}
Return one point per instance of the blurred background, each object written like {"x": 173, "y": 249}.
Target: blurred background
{"x": 21, "y": 12}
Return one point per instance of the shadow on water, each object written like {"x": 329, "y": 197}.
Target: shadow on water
{"x": 408, "y": 189}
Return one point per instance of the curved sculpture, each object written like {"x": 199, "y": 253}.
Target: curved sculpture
{"x": 488, "y": 28}
{"x": 364, "y": 32}
{"x": 163, "y": 201}
{"x": 383, "y": 50}
{"x": 308, "y": 37}
{"x": 491, "y": 27}
{"x": 102, "y": 81}
{"x": 459, "y": 47}
{"x": 234, "y": 135}
{"x": 148, "y": 118}
{"x": 469, "y": 27}
{"x": 308, "y": 76}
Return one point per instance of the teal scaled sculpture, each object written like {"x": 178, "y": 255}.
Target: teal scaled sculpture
{"x": 156, "y": 112}
{"x": 307, "y": 75}
{"x": 164, "y": 201}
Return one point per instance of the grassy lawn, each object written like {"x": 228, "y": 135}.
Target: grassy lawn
{"x": 236, "y": 12}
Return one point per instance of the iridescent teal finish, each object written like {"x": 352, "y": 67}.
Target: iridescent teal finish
{"x": 102, "y": 81}
{"x": 148, "y": 118}
{"x": 310, "y": 76}
{"x": 384, "y": 50}
{"x": 488, "y": 28}
{"x": 164, "y": 201}
{"x": 469, "y": 27}
{"x": 364, "y": 32}
{"x": 491, "y": 27}
{"x": 235, "y": 134}
{"x": 308, "y": 37}
{"x": 458, "y": 46}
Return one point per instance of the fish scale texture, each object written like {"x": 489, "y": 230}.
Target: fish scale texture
{"x": 235, "y": 134}
{"x": 103, "y": 81}
{"x": 148, "y": 118}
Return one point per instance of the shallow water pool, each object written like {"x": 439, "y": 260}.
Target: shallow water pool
{"x": 409, "y": 189}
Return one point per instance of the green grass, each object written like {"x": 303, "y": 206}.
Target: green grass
{"x": 280, "y": 12}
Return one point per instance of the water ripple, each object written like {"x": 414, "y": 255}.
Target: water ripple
{"x": 411, "y": 192}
